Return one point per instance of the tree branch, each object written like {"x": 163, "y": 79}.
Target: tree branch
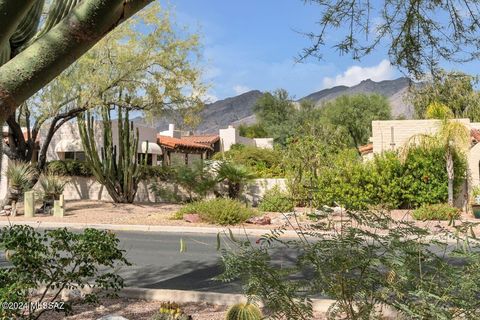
{"x": 52, "y": 53}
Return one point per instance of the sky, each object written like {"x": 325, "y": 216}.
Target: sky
{"x": 252, "y": 44}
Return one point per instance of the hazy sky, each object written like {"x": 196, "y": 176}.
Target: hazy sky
{"x": 252, "y": 44}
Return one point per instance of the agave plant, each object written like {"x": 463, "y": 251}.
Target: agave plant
{"x": 234, "y": 176}
{"x": 20, "y": 176}
{"x": 52, "y": 187}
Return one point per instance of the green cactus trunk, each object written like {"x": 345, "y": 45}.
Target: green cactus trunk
{"x": 117, "y": 170}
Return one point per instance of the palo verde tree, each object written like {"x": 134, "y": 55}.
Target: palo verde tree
{"x": 418, "y": 33}
{"x": 35, "y": 49}
{"x": 115, "y": 165}
{"x": 149, "y": 70}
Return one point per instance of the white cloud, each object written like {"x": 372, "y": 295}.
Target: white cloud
{"x": 355, "y": 74}
{"x": 239, "y": 89}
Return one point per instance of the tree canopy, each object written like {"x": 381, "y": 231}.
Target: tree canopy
{"x": 356, "y": 113}
{"x": 454, "y": 89}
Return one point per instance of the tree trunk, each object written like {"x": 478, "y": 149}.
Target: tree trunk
{"x": 52, "y": 53}
{"x": 450, "y": 175}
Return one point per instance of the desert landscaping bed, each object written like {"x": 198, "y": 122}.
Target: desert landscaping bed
{"x": 141, "y": 309}
{"x": 160, "y": 214}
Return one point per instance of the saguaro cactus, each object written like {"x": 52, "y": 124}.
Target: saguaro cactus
{"x": 117, "y": 170}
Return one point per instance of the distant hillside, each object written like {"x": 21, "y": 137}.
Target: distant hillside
{"x": 394, "y": 90}
{"x": 239, "y": 109}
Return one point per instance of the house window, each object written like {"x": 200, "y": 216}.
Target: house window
{"x": 75, "y": 155}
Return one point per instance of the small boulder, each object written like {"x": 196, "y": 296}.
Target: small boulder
{"x": 265, "y": 220}
{"x": 192, "y": 218}
{"x": 7, "y": 207}
{"x": 112, "y": 317}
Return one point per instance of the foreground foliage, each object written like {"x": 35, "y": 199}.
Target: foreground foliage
{"x": 53, "y": 261}
{"x": 362, "y": 260}
{"x": 220, "y": 211}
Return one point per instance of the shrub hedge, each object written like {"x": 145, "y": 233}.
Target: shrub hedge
{"x": 418, "y": 180}
{"x": 439, "y": 211}
{"x": 220, "y": 211}
{"x": 69, "y": 168}
{"x": 263, "y": 163}
{"x": 275, "y": 200}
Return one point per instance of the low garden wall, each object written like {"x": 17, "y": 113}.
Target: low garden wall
{"x": 83, "y": 188}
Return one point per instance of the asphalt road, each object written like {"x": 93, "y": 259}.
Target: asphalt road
{"x": 158, "y": 263}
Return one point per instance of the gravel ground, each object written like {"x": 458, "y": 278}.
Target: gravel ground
{"x": 98, "y": 212}
{"x": 140, "y": 309}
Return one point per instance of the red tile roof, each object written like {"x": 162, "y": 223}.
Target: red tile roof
{"x": 475, "y": 135}
{"x": 179, "y": 143}
{"x": 207, "y": 139}
{"x": 366, "y": 149}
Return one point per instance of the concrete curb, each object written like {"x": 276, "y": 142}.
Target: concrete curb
{"x": 147, "y": 228}
{"x": 185, "y": 296}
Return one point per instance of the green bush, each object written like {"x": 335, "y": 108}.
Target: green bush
{"x": 263, "y": 163}
{"x": 439, "y": 211}
{"x": 53, "y": 260}
{"x": 220, "y": 211}
{"x": 69, "y": 168}
{"x": 419, "y": 179}
{"x": 276, "y": 200}
{"x": 162, "y": 173}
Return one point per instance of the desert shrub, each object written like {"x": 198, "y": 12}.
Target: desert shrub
{"x": 170, "y": 311}
{"x": 220, "y": 211}
{"x": 439, "y": 211}
{"x": 425, "y": 178}
{"x": 362, "y": 261}
{"x": 198, "y": 179}
{"x": 276, "y": 200}
{"x": 387, "y": 180}
{"x": 69, "y": 168}
{"x": 262, "y": 163}
{"x": 52, "y": 261}
{"x": 162, "y": 173}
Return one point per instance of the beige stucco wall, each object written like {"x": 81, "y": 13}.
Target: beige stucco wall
{"x": 403, "y": 130}
{"x": 81, "y": 188}
{"x": 230, "y": 136}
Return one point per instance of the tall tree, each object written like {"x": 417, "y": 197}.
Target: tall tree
{"x": 418, "y": 33}
{"x": 355, "y": 114}
{"x": 453, "y": 89}
{"x": 143, "y": 65}
{"x": 34, "y": 50}
{"x": 273, "y": 111}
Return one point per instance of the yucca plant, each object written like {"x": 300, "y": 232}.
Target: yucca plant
{"x": 52, "y": 187}
{"x": 19, "y": 175}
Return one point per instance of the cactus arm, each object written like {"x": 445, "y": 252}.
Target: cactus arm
{"x": 11, "y": 14}
{"x": 53, "y": 52}
{"x": 28, "y": 26}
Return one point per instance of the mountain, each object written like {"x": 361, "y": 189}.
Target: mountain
{"x": 239, "y": 109}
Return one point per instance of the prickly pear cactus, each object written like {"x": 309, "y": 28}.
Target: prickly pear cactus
{"x": 244, "y": 311}
{"x": 171, "y": 311}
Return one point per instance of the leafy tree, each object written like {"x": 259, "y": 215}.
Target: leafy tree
{"x": 273, "y": 111}
{"x": 255, "y": 130}
{"x": 355, "y": 114}
{"x": 34, "y": 50}
{"x": 453, "y": 89}
{"x": 147, "y": 70}
{"x": 418, "y": 34}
